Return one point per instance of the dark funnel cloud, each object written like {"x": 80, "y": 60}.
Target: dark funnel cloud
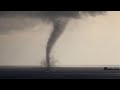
{"x": 59, "y": 20}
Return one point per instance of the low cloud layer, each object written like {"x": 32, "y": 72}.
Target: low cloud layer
{"x": 21, "y": 19}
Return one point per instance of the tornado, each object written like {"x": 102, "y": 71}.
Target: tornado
{"x": 58, "y": 29}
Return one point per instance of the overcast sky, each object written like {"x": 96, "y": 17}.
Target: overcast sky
{"x": 87, "y": 41}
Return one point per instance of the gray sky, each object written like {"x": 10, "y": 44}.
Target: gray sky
{"x": 87, "y": 41}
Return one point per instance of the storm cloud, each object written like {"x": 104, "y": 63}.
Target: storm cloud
{"x": 17, "y": 17}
